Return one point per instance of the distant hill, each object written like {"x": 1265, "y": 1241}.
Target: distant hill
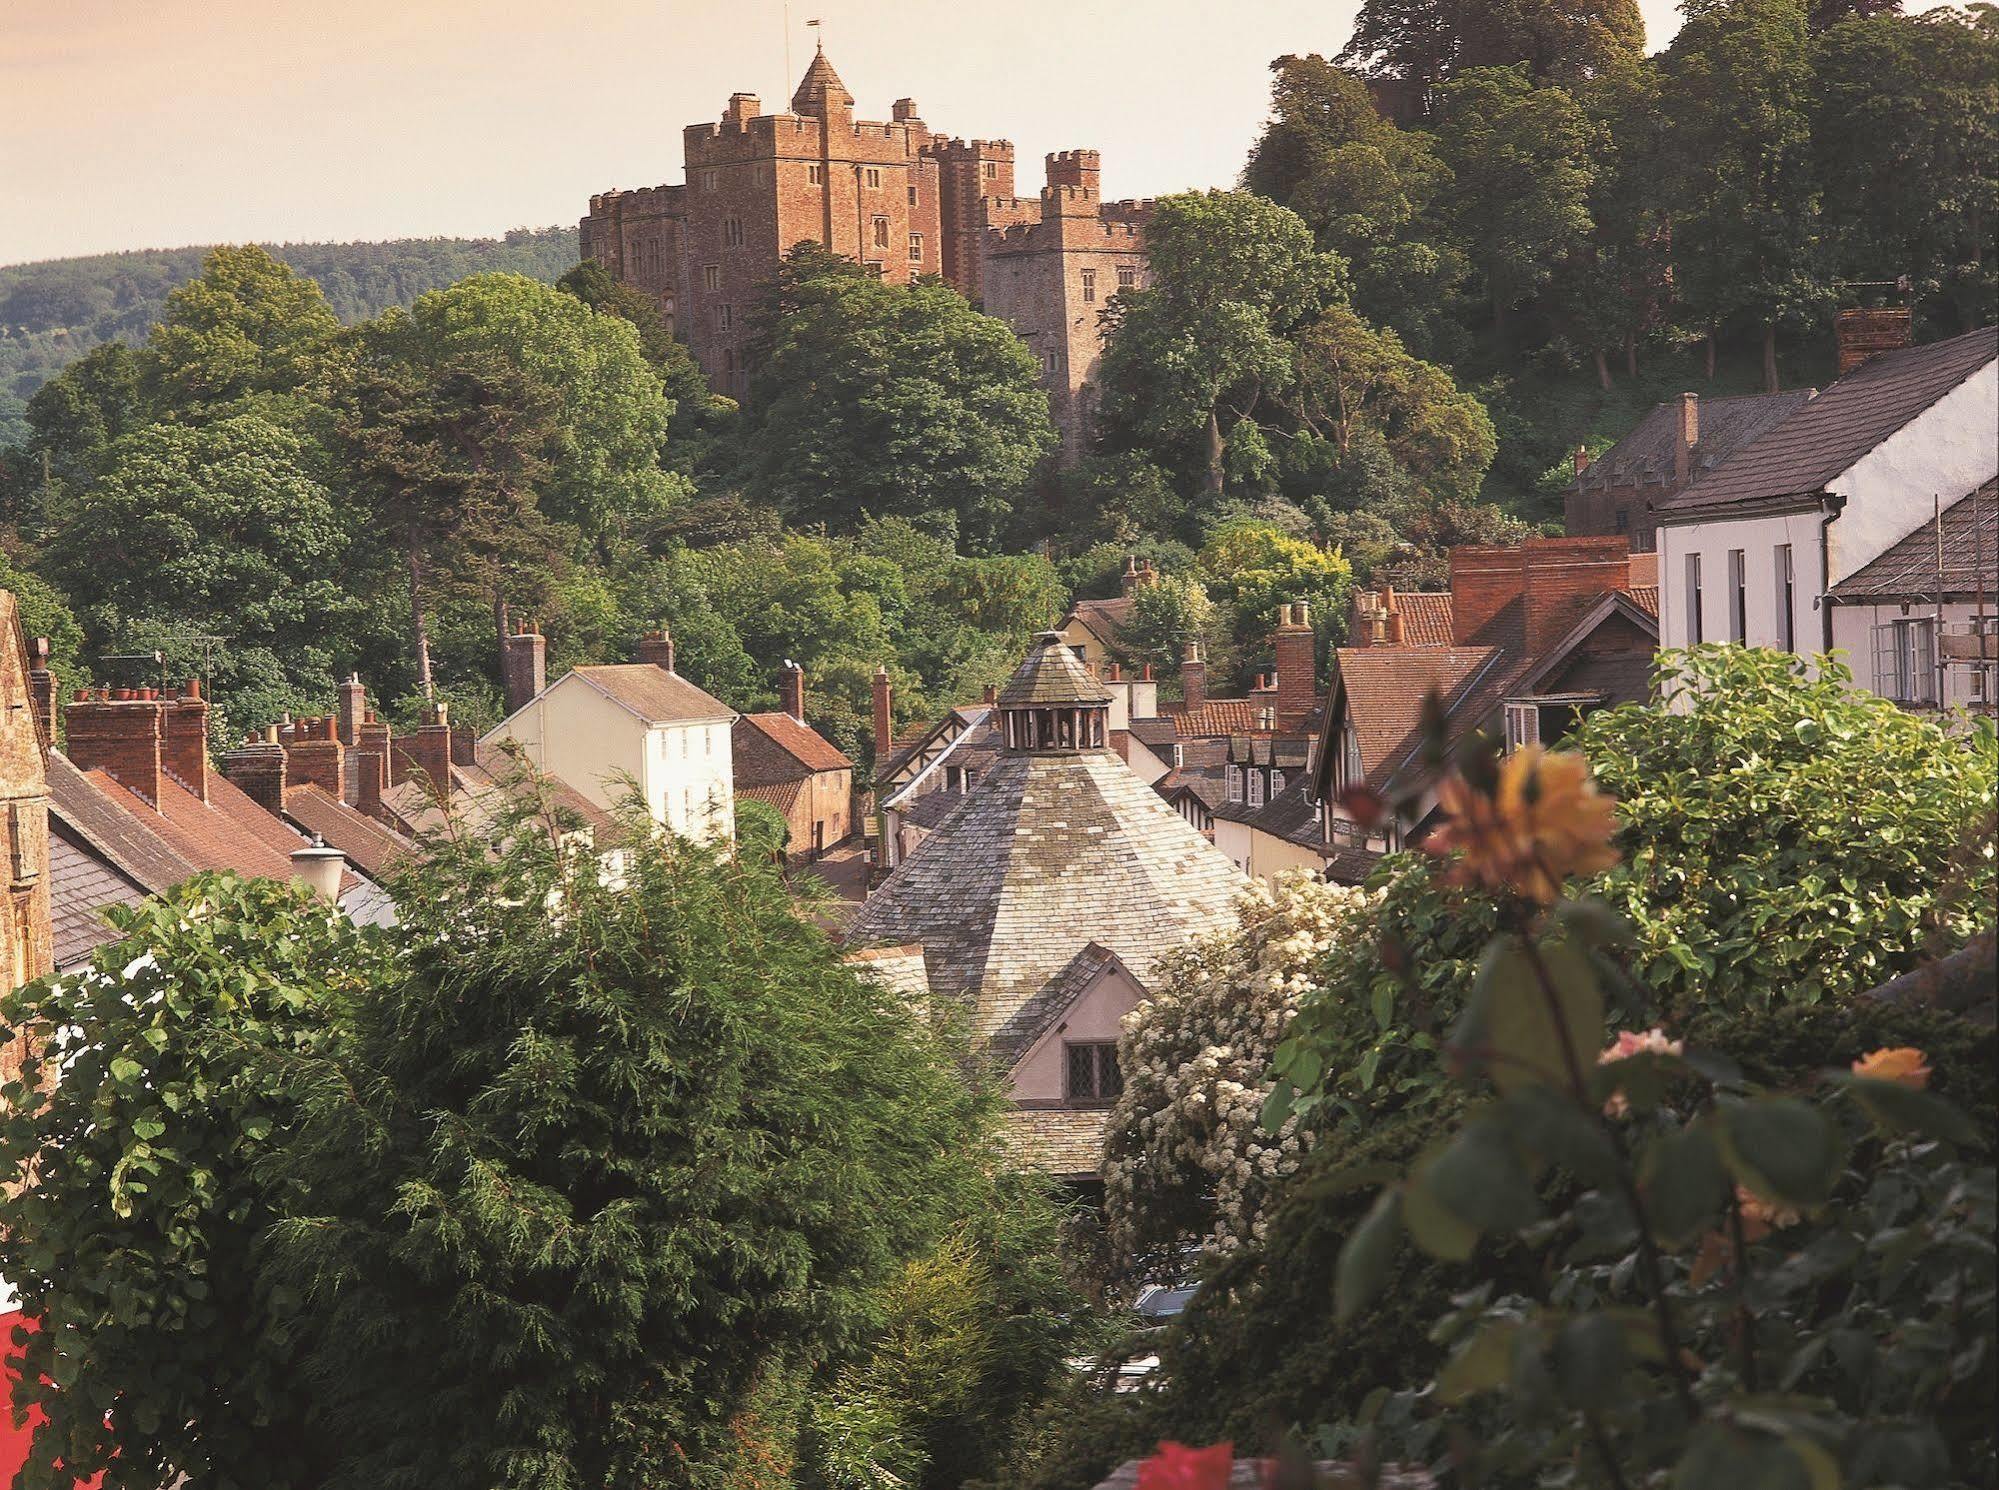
{"x": 55, "y": 311}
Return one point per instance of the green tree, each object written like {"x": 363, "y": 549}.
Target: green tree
{"x": 221, "y": 531}
{"x": 1519, "y": 194}
{"x": 1166, "y": 616}
{"x": 874, "y": 399}
{"x": 1193, "y": 357}
{"x": 133, "y": 1236}
{"x": 73, "y": 421}
{"x": 1615, "y": 291}
{"x": 611, "y": 410}
{"x": 1746, "y": 231}
{"x": 248, "y": 324}
{"x": 1251, "y": 569}
{"x": 1427, "y": 42}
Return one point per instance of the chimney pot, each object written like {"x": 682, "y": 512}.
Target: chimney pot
{"x": 1686, "y": 435}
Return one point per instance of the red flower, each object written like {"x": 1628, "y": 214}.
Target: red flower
{"x": 1177, "y": 1467}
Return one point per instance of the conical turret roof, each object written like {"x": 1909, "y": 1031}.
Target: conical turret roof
{"x": 819, "y": 83}
{"x": 1051, "y": 676}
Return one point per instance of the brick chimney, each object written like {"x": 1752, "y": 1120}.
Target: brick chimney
{"x": 791, "y": 690}
{"x": 353, "y": 708}
{"x": 1686, "y": 435}
{"x": 427, "y": 753}
{"x": 117, "y": 733}
{"x": 1128, "y": 581}
{"x": 464, "y": 745}
{"x": 316, "y": 757}
{"x": 1193, "y": 676}
{"x": 1581, "y": 458}
{"x": 370, "y": 771}
{"x": 1861, "y": 334}
{"x": 1391, "y": 618}
{"x": 655, "y": 647}
{"x": 884, "y": 713}
{"x": 42, "y": 687}
{"x": 184, "y": 739}
{"x": 373, "y": 742}
{"x": 1295, "y": 647}
{"x": 257, "y": 769}
{"x": 523, "y": 666}
{"x": 1532, "y": 595}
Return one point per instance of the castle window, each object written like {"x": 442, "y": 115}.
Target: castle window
{"x": 881, "y": 232}
{"x": 815, "y": 175}
{"x": 711, "y": 276}
{"x": 728, "y": 365}
{"x": 1089, "y": 285}
{"x": 666, "y": 307}
{"x": 732, "y": 231}
{"x": 725, "y": 316}
{"x": 992, "y": 170}
{"x": 912, "y": 196}
{"x": 873, "y": 176}
{"x": 916, "y": 248}
{"x": 710, "y": 180}
{"x": 1127, "y": 277}
{"x": 874, "y": 268}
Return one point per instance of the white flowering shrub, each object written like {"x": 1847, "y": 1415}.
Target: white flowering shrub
{"x": 1186, "y": 1160}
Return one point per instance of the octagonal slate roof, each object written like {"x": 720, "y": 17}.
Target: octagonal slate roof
{"x": 1052, "y": 675}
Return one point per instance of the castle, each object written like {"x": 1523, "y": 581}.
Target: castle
{"x": 897, "y": 198}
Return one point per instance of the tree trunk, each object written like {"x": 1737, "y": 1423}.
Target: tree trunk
{"x": 1769, "y": 356}
{"x": 419, "y": 630}
{"x": 500, "y": 619}
{"x": 1630, "y": 354}
{"x": 1710, "y": 355}
{"x": 1214, "y": 484}
{"x": 1602, "y": 370}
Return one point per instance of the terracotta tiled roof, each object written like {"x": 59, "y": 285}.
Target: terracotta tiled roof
{"x": 1426, "y": 617}
{"x": 805, "y": 745}
{"x": 1386, "y": 686}
{"x": 1062, "y": 1141}
{"x": 370, "y": 847}
{"x": 1829, "y": 433}
{"x": 1646, "y": 598}
{"x": 122, "y": 840}
{"x": 651, "y": 692}
{"x": 1216, "y": 717}
{"x": 783, "y": 795}
{"x": 1911, "y": 567}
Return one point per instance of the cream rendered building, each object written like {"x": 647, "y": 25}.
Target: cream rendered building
{"x": 612, "y": 730}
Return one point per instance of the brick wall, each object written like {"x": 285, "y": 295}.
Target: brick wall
{"x": 1534, "y": 594}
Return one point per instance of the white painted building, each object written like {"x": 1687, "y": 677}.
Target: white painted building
{"x": 1753, "y": 549}
{"x": 610, "y": 730}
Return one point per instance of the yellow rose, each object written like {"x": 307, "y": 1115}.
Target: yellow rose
{"x": 1901, "y": 1065}
{"x": 1543, "y": 822}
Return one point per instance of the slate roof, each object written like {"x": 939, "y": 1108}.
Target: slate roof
{"x": 819, "y": 82}
{"x": 370, "y": 846}
{"x": 1205, "y": 782}
{"x": 651, "y": 692}
{"x": 1047, "y": 854}
{"x": 123, "y": 841}
{"x": 1035, "y": 1017}
{"x": 979, "y": 729}
{"x": 1829, "y": 433}
{"x": 1426, "y": 617}
{"x": 898, "y": 969}
{"x": 1291, "y": 815}
{"x": 1725, "y": 425}
{"x": 810, "y": 750}
{"x": 1348, "y": 864}
{"x": 1058, "y": 1140}
{"x": 1910, "y": 569}
{"x": 81, "y": 883}
{"x": 1053, "y": 676}
{"x": 931, "y": 808}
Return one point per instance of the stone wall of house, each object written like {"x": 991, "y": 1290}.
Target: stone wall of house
{"x": 27, "y": 948}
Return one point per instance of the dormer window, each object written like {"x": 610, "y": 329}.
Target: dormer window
{"x": 1256, "y": 788}
{"x": 1235, "y": 783}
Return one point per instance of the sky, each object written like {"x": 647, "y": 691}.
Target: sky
{"x": 159, "y": 123}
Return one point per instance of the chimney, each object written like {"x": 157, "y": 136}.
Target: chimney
{"x": 316, "y": 757}
{"x": 42, "y": 687}
{"x": 1861, "y": 334}
{"x": 118, "y": 734}
{"x": 523, "y": 666}
{"x": 1296, "y": 650}
{"x": 884, "y": 713}
{"x": 184, "y": 739}
{"x": 428, "y": 752}
{"x": 655, "y": 647}
{"x": 464, "y": 745}
{"x": 374, "y": 740}
{"x": 791, "y": 690}
{"x": 1128, "y": 581}
{"x": 1582, "y": 459}
{"x": 1686, "y": 435}
{"x": 743, "y": 107}
{"x": 257, "y": 769}
{"x": 989, "y": 694}
{"x": 1114, "y": 673}
{"x": 353, "y": 708}
{"x": 368, "y": 781}
{"x": 1193, "y": 676}
{"x": 1564, "y": 577}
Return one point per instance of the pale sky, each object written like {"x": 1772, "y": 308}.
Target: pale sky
{"x": 158, "y": 123}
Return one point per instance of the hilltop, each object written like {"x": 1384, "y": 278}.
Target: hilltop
{"x": 54, "y": 311}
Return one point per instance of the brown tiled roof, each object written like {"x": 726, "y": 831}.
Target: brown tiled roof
{"x": 1829, "y": 433}
{"x": 370, "y": 847}
{"x": 1910, "y": 568}
{"x": 1645, "y": 455}
{"x": 805, "y": 745}
{"x": 81, "y": 883}
{"x": 1426, "y": 617}
{"x": 783, "y": 795}
{"x": 651, "y": 692}
{"x": 1217, "y": 717}
{"x": 1052, "y": 675}
{"x": 1064, "y": 1141}
{"x": 127, "y": 843}
{"x": 1103, "y": 617}
{"x": 1206, "y": 783}
{"x": 1646, "y": 598}
{"x": 1386, "y": 686}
